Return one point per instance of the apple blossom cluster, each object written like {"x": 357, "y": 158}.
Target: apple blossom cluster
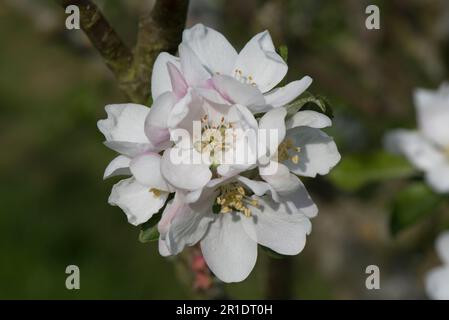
{"x": 219, "y": 153}
{"x": 427, "y": 148}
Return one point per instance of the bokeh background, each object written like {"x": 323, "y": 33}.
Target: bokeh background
{"x": 53, "y": 201}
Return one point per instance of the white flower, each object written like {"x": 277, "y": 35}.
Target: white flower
{"x": 203, "y": 102}
{"x": 437, "y": 280}
{"x": 428, "y": 147}
{"x": 208, "y": 61}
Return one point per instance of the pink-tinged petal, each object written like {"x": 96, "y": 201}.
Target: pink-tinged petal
{"x": 160, "y": 79}
{"x": 146, "y": 168}
{"x": 309, "y": 118}
{"x": 239, "y": 93}
{"x": 163, "y": 248}
{"x": 156, "y": 122}
{"x": 282, "y": 96}
{"x": 192, "y": 69}
{"x": 184, "y": 169}
{"x": 273, "y": 225}
{"x": 212, "y": 48}
{"x": 136, "y": 200}
{"x": 118, "y": 166}
{"x": 178, "y": 83}
{"x": 130, "y": 149}
{"x": 259, "y": 61}
{"x": 228, "y": 250}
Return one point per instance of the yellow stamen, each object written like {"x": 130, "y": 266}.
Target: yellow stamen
{"x": 156, "y": 192}
{"x": 233, "y": 197}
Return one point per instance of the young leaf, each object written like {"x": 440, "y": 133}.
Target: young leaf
{"x": 309, "y": 101}
{"x": 356, "y": 171}
{"x": 412, "y": 204}
{"x": 149, "y": 230}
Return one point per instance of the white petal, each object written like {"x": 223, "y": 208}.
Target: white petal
{"x": 212, "y": 48}
{"x": 274, "y": 226}
{"x": 192, "y": 69}
{"x": 178, "y": 83}
{"x": 281, "y": 96}
{"x": 156, "y": 122}
{"x": 125, "y": 122}
{"x": 437, "y": 283}
{"x": 433, "y": 114}
{"x": 272, "y": 131}
{"x": 418, "y": 149}
{"x": 300, "y": 201}
{"x": 438, "y": 177}
{"x": 182, "y": 171}
{"x": 146, "y": 168}
{"x": 163, "y": 249}
{"x": 318, "y": 153}
{"x": 130, "y": 149}
{"x": 228, "y": 250}
{"x": 259, "y": 187}
{"x": 138, "y": 203}
{"x": 160, "y": 79}
{"x": 309, "y": 118}
{"x": 442, "y": 246}
{"x": 118, "y": 166}
{"x": 259, "y": 60}
{"x": 239, "y": 93}
{"x": 279, "y": 177}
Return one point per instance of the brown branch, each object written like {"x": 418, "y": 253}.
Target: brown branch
{"x": 160, "y": 30}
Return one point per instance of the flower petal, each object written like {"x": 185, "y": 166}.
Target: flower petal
{"x": 138, "y": 203}
{"x": 279, "y": 177}
{"x": 192, "y": 69}
{"x": 146, "y": 168}
{"x": 182, "y": 169}
{"x": 212, "y": 48}
{"x": 273, "y": 225}
{"x": 156, "y": 122}
{"x": 228, "y": 250}
{"x": 437, "y": 284}
{"x": 271, "y": 131}
{"x": 178, "y": 83}
{"x": 281, "y": 96}
{"x": 118, "y": 166}
{"x": 318, "y": 152}
{"x": 259, "y": 60}
{"x": 160, "y": 79}
{"x": 309, "y": 118}
{"x": 239, "y": 93}
{"x": 163, "y": 248}
{"x": 438, "y": 177}
{"x": 432, "y": 109}
{"x": 418, "y": 149}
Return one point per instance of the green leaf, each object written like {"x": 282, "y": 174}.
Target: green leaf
{"x": 356, "y": 171}
{"x": 271, "y": 253}
{"x": 148, "y": 231}
{"x": 309, "y": 101}
{"x": 283, "y": 52}
{"x": 411, "y": 205}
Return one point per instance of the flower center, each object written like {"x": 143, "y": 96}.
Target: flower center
{"x": 238, "y": 74}
{"x": 215, "y": 139}
{"x": 288, "y": 151}
{"x": 233, "y": 197}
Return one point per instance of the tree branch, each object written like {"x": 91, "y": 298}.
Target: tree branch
{"x": 159, "y": 30}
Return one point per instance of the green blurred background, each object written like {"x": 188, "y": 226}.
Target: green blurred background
{"x": 54, "y": 211}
